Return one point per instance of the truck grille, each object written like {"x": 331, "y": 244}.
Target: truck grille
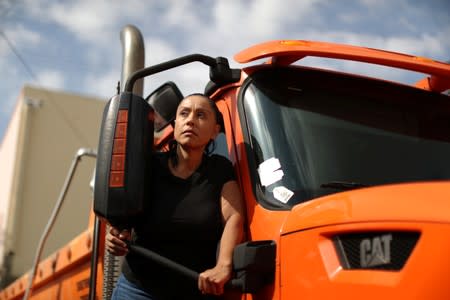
{"x": 375, "y": 250}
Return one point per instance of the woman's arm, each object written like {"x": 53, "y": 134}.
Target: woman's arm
{"x": 232, "y": 213}
{"x": 213, "y": 280}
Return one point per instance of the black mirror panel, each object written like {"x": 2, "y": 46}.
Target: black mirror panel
{"x": 254, "y": 265}
{"x": 165, "y": 100}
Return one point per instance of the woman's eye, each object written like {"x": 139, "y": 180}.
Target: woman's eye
{"x": 201, "y": 115}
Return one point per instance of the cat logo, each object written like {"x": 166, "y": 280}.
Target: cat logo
{"x": 375, "y": 251}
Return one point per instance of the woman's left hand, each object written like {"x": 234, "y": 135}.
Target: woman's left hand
{"x": 212, "y": 281}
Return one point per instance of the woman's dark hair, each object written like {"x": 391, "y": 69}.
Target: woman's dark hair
{"x": 211, "y": 146}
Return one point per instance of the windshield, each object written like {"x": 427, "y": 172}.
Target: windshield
{"x": 313, "y": 133}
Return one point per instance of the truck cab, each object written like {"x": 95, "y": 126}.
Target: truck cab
{"x": 347, "y": 176}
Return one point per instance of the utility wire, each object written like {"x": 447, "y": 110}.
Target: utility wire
{"x": 6, "y": 8}
{"x": 17, "y": 54}
{"x": 63, "y": 115}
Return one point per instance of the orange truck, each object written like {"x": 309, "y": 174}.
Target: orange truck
{"x": 345, "y": 177}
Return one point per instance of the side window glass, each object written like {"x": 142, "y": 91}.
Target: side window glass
{"x": 221, "y": 145}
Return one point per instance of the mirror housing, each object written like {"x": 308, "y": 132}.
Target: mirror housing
{"x": 254, "y": 265}
{"x": 164, "y": 101}
{"x": 123, "y": 165}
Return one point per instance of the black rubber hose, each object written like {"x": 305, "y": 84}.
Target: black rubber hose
{"x": 174, "y": 266}
{"x": 164, "y": 261}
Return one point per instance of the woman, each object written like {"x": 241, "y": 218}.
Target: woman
{"x": 194, "y": 217}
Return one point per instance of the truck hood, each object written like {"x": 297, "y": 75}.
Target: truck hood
{"x": 421, "y": 202}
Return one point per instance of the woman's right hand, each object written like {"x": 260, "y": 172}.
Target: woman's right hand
{"x": 115, "y": 241}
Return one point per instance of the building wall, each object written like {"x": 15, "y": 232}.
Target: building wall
{"x": 55, "y": 125}
{"x": 8, "y": 154}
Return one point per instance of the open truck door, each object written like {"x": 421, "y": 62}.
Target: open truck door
{"x": 123, "y": 167}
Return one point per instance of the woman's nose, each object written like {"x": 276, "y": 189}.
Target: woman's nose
{"x": 190, "y": 119}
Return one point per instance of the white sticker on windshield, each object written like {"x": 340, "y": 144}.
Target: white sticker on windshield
{"x": 270, "y": 172}
{"x": 282, "y": 194}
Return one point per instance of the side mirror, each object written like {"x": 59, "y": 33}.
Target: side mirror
{"x": 123, "y": 164}
{"x": 254, "y": 265}
{"x": 164, "y": 101}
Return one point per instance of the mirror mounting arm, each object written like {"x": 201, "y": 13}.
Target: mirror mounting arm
{"x": 220, "y": 71}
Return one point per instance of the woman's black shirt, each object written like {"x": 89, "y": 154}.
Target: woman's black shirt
{"x": 183, "y": 222}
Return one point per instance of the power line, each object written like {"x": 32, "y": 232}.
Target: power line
{"x": 6, "y": 8}
{"x": 17, "y": 54}
{"x": 34, "y": 77}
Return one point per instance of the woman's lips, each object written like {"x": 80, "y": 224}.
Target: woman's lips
{"x": 189, "y": 132}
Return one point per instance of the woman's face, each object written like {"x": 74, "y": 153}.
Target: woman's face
{"x": 195, "y": 123}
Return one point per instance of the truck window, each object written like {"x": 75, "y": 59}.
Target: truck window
{"x": 312, "y": 133}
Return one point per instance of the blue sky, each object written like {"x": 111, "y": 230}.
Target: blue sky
{"x": 75, "y": 45}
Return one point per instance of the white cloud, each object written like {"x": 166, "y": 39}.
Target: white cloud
{"x": 102, "y": 84}
{"x": 190, "y": 78}
{"x": 19, "y": 36}
{"x": 158, "y": 50}
{"x": 226, "y": 13}
{"x": 235, "y": 25}
{"x": 174, "y": 28}
{"x": 422, "y": 45}
{"x": 53, "y": 79}
{"x": 259, "y": 19}
{"x": 92, "y": 21}
{"x": 349, "y": 17}
{"x": 183, "y": 13}
{"x": 83, "y": 20}
{"x": 425, "y": 45}
{"x": 371, "y": 4}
